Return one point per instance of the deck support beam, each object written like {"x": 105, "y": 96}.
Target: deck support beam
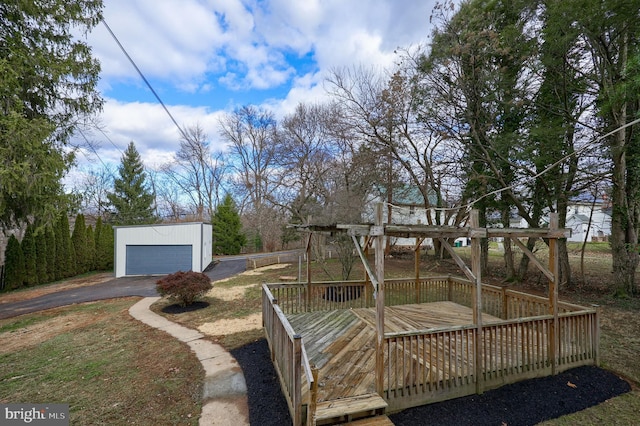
{"x": 365, "y": 263}
{"x": 553, "y": 295}
{"x": 474, "y": 221}
{"x": 416, "y": 258}
{"x": 379, "y": 245}
{"x": 308, "y": 284}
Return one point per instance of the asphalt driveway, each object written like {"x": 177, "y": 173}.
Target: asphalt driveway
{"x": 117, "y": 287}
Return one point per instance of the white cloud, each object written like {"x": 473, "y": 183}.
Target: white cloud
{"x": 250, "y": 46}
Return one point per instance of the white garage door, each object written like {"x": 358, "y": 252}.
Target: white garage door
{"x": 151, "y": 260}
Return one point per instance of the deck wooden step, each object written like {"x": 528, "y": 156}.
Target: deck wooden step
{"x": 372, "y": 421}
{"x": 345, "y": 410}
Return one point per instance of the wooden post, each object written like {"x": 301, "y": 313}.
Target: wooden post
{"x": 554, "y": 334}
{"x": 505, "y": 304}
{"x": 296, "y": 397}
{"x": 474, "y": 222}
{"x": 308, "y": 284}
{"x": 596, "y": 336}
{"x": 367, "y": 242}
{"x": 313, "y": 398}
{"x": 379, "y": 241}
{"x": 416, "y": 267}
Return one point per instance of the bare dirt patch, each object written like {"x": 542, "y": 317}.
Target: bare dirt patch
{"x": 257, "y": 271}
{"x": 34, "y": 334}
{"x": 228, "y": 293}
{"x": 224, "y": 327}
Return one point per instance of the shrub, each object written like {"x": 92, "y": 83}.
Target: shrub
{"x": 184, "y": 287}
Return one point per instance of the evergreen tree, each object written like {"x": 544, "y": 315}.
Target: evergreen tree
{"x": 48, "y": 82}
{"x": 227, "y": 228}
{"x": 132, "y": 200}
{"x": 79, "y": 240}
{"x": 41, "y": 256}
{"x": 65, "y": 262}
{"x": 103, "y": 246}
{"x": 14, "y": 264}
{"x": 91, "y": 249}
{"x": 50, "y": 237}
{"x": 28, "y": 246}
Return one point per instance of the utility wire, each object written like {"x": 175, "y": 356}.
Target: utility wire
{"x": 184, "y": 135}
{"x": 470, "y": 204}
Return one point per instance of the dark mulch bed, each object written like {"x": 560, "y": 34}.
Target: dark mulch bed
{"x": 177, "y": 309}
{"x": 524, "y": 403}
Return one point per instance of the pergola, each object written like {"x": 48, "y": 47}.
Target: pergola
{"x": 524, "y": 335}
{"x": 377, "y": 232}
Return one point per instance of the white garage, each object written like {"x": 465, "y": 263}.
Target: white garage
{"x": 162, "y": 249}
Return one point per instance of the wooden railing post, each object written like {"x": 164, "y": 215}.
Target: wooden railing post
{"x": 505, "y": 303}
{"x": 477, "y": 301}
{"x": 416, "y": 257}
{"x": 309, "y": 289}
{"x": 554, "y": 334}
{"x": 296, "y": 397}
{"x": 596, "y": 336}
{"x": 379, "y": 257}
{"x": 313, "y": 398}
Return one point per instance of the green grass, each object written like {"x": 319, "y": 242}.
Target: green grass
{"x": 114, "y": 370}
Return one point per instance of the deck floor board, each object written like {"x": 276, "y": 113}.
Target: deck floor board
{"x": 342, "y": 343}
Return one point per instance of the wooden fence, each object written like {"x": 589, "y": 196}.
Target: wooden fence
{"x": 426, "y": 366}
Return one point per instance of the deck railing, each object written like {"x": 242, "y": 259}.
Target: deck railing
{"x": 426, "y": 366}
{"x": 497, "y": 301}
{"x": 290, "y": 358}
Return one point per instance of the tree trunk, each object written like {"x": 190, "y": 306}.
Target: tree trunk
{"x": 509, "y": 266}
{"x": 521, "y": 274}
{"x": 624, "y": 234}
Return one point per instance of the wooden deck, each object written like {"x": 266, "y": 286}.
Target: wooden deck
{"x": 431, "y": 350}
{"x": 341, "y": 343}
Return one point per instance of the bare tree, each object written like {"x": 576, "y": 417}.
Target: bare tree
{"x": 305, "y": 151}
{"x": 383, "y": 110}
{"x": 252, "y": 137}
{"x": 197, "y": 172}
{"x": 94, "y": 189}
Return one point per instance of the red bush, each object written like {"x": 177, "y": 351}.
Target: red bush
{"x": 184, "y": 287}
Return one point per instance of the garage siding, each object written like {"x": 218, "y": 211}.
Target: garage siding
{"x": 158, "y": 259}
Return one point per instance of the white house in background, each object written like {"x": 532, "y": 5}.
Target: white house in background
{"x": 579, "y": 213}
{"x": 589, "y": 220}
{"x": 407, "y": 208}
{"x": 162, "y": 249}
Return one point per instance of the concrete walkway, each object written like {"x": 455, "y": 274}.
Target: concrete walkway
{"x": 224, "y": 399}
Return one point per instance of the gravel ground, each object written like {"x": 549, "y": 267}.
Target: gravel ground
{"x": 520, "y": 404}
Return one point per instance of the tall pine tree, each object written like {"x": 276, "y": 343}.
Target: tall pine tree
{"x": 132, "y": 199}
{"x": 103, "y": 246}
{"x": 65, "y": 259}
{"x": 28, "y": 246}
{"x": 227, "y": 228}
{"x": 42, "y": 256}
{"x": 52, "y": 267}
{"x": 79, "y": 240}
{"x": 14, "y": 264}
{"x": 91, "y": 249}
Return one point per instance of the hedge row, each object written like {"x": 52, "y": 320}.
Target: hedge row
{"x": 53, "y": 253}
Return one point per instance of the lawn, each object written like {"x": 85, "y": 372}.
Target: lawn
{"x": 112, "y": 369}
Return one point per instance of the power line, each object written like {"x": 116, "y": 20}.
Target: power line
{"x": 184, "y": 135}
{"x": 470, "y": 204}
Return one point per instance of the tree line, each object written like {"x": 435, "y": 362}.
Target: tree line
{"x": 512, "y": 108}
{"x": 53, "y": 252}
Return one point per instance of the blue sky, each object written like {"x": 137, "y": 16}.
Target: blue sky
{"x": 206, "y": 57}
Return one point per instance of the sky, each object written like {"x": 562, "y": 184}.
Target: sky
{"x": 204, "y": 58}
